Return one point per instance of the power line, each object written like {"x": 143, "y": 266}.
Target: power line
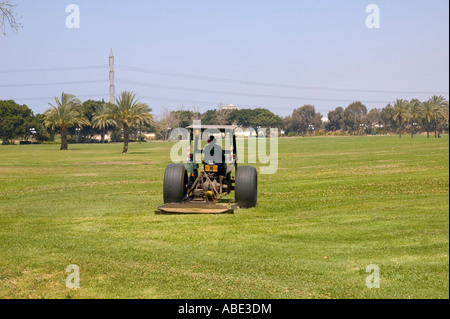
{"x": 54, "y": 83}
{"x": 154, "y": 98}
{"x": 243, "y": 94}
{"x": 51, "y": 98}
{"x": 218, "y": 79}
{"x": 283, "y": 69}
{"x": 92, "y": 67}
{"x": 200, "y": 77}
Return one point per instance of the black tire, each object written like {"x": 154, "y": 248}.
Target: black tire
{"x": 246, "y": 187}
{"x": 175, "y": 181}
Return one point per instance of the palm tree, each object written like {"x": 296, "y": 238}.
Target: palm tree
{"x": 66, "y": 113}
{"x": 445, "y": 113}
{"x": 143, "y": 119}
{"x": 400, "y": 113}
{"x": 414, "y": 112}
{"x": 102, "y": 118}
{"x": 427, "y": 115}
{"x": 437, "y": 104}
{"x": 127, "y": 112}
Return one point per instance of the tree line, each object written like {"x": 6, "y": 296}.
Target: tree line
{"x": 127, "y": 118}
{"x": 400, "y": 117}
{"x": 68, "y": 115}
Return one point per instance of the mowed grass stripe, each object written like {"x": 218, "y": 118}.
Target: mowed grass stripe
{"x": 336, "y": 205}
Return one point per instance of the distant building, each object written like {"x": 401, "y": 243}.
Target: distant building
{"x": 325, "y": 120}
{"x": 230, "y": 107}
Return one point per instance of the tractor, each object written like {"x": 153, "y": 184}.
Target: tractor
{"x": 208, "y": 174}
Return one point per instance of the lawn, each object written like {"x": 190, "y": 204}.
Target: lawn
{"x": 335, "y": 206}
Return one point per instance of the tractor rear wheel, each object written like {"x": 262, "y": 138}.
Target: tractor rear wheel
{"x": 175, "y": 183}
{"x": 246, "y": 187}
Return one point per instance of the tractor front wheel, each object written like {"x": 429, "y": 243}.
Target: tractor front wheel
{"x": 246, "y": 187}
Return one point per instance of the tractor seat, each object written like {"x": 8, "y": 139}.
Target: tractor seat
{"x": 213, "y": 159}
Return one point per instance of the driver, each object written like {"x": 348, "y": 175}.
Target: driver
{"x": 213, "y": 152}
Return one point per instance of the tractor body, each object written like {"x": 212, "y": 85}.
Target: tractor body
{"x": 208, "y": 174}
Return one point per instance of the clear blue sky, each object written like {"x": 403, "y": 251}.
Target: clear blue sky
{"x": 314, "y": 44}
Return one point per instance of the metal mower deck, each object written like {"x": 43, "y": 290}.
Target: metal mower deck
{"x": 194, "y": 208}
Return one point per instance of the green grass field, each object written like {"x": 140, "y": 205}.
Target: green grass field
{"x": 336, "y": 205}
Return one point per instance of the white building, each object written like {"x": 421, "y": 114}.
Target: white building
{"x": 229, "y": 107}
